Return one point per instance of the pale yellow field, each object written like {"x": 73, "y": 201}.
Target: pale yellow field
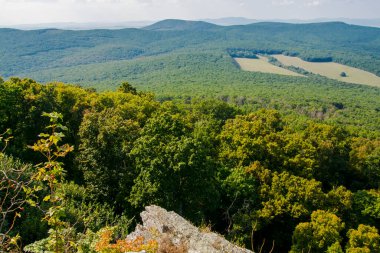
{"x": 262, "y": 65}
{"x": 332, "y": 70}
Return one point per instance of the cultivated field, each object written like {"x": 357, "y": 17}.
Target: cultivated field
{"x": 332, "y": 70}
{"x": 262, "y": 65}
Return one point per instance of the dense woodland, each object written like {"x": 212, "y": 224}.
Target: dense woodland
{"x": 170, "y": 54}
{"x": 292, "y": 174}
{"x": 273, "y": 163}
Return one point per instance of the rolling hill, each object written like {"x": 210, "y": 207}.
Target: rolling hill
{"x": 29, "y": 52}
{"x": 175, "y": 24}
{"x": 176, "y": 58}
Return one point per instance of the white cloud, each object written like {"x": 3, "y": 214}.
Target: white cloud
{"x": 283, "y": 2}
{"x": 314, "y": 3}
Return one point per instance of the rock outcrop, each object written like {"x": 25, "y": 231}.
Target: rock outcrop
{"x": 174, "y": 234}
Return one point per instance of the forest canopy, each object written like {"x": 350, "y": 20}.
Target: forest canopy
{"x": 258, "y": 176}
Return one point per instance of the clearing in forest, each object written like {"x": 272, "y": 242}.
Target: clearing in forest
{"x": 262, "y": 65}
{"x": 332, "y": 70}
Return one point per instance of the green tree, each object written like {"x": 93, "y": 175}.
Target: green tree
{"x": 49, "y": 177}
{"x": 321, "y": 152}
{"x": 339, "y": 201}
{"x": 321, "y": 234}
{"x": 366, "y": 207}
{"x": 107, "y": 135}
{"x": 106, "y": 141}
{"x": 290, "y": 195}
{"x": 174, "y": 167}
{"x": 250, "y": 138}
{"x": 365, "y": 161}
{"x": 127, "y": 88}
{"x": 335, "y": 248}
{"x": 365, "y": 239}
{"x": 22, "y": 101}
{"x": 268, "y": 203}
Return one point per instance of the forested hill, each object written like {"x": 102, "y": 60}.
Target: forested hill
{"x": 175, "y": 24}
{"x": 109, "y": 56}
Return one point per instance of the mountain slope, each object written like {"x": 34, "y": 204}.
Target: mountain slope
{"x": 24, "y": 51}
{"x": 175, "y": 24}
{"x": 181, "y": 61}
{"x": 49, "y": 53}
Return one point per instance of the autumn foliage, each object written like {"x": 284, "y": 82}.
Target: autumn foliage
{"x": 105, "y": 245}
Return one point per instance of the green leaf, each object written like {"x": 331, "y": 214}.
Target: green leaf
{"x": 47, "y": 198}
{"x": 31, "y": 202}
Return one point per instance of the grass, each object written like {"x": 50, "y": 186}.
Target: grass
{"x": 262, "y": 65}
{"x": 332, "y": 70}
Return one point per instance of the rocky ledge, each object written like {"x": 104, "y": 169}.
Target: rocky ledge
{"x": 174, "y": 234}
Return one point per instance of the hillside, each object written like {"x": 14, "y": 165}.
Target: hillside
{"x": 179, "y": 59}
{"x": 175, "y": 24}
{"x": 41, "y": 52}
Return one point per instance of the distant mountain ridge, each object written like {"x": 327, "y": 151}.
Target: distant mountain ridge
{"x": 177, "y": 24}
{"x": 171, "y": 51}
{"x": 227, "y": 21}
{"x": 245, "y": 21}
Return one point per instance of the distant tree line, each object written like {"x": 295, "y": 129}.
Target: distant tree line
{"x": 252, "y": 54}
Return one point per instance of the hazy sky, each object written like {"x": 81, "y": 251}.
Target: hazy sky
{"x": 48, "y": 11}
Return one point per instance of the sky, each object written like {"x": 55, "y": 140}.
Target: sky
{"x": 14, "y": 12}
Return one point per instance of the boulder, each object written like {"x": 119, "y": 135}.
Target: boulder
{"x": 174, "y": 234}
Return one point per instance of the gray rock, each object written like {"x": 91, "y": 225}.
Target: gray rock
{"x": 175, "y": 234}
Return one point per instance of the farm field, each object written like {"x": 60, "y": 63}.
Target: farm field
{"x": 332, "y": 70}
{"x": 262, "y": 65}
